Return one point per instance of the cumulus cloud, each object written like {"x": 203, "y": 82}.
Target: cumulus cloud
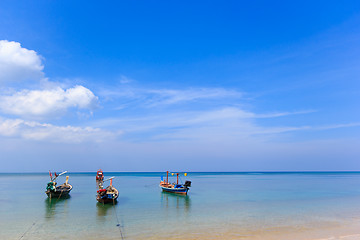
{"x": 39, "y": 103}
{"x": 18, "y": 63}
{"x": 47, "y": 132}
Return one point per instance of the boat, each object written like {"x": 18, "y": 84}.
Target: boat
{"x": 174, "y": 187}
{"x": 108, "y": 194}
{"x": 54, "y": 191}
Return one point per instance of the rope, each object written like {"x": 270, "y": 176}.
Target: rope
{"x": 28, "y": 230}
{"x": 22, "y": 236}
{"x": 180, "y": 179}
{"x": 59, "y": 196}
{"x": 35, "y": 229}
{"x": 34, "y": 223}
{"x": 117, "y": 220}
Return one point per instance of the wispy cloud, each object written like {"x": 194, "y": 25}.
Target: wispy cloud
{"x": 160, "y": 97}
{"x": 224, "y": 123}
{"x": 169, "y": 96}
{"x": 31, "y": 130}
{"x": 335, "y": 126}
{"x": 125, "y": 80}
{"x": 282, "y": 114}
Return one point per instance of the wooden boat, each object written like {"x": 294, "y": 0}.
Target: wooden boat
{"x": 61, "y": 191}
{"x": 174, "y": 187}
{"x": 108, "y": 194}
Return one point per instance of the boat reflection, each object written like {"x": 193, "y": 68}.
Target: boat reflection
{"x": 182, "y": 203}
{"x": 56, "y": 205}
{"x": 104, "y": 209}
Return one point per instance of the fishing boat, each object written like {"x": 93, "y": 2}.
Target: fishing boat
{"x": 174, "y": 187}
{"x": 54, "y": 191}
{"x": 108, "y": 194}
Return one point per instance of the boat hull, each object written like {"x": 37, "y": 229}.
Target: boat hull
{"x": 59, "y": 193}
{"x": 108, "y": 198}
{"x": 182, "y": 191}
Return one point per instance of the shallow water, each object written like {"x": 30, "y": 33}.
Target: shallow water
{"x": 240, "y": 205}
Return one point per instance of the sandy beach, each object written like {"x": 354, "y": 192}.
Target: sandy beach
{"x": 348, "y": 231}
{"x": 343, "y": 231}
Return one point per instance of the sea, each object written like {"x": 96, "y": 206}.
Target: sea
{"x": 219, "y": 205}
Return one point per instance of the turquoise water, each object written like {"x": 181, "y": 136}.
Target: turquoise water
{"x": 218, "y": 204}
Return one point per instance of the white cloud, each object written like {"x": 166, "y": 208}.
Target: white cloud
{"x": 47, "y": 132}
{"x": 40, "y": 103}
{"x": 18, "y": 63}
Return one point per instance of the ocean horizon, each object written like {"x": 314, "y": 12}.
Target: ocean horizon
{"x": 196, "y": 172}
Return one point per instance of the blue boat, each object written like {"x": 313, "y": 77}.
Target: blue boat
{"x": 174, "y": 187}
{"x": 108, "y": 194}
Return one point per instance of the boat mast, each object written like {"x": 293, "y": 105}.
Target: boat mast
{"x": 177, "y": 178}
{"x": 167, "y": 176}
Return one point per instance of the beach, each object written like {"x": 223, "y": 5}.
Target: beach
{"x": 218, "y": 206}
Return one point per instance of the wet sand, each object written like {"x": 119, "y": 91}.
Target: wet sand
{"x": 343, "y": 231}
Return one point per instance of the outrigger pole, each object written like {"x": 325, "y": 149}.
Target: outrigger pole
{"x": 108, "y": 179}
{"x": 52, "y": 179}
{"x": 62, "y": 173}
{"x": 111, "y": 178}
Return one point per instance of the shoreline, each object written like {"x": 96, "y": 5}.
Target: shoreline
{"x": 344, "y": 231}
{"x": 341, "y": 232}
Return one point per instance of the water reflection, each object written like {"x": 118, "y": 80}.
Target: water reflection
{"x": 56, "y": 205}
{"x": 179, "y": 202}
{"x": 104, "y": 210}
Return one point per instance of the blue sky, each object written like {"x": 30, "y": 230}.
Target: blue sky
{"x": 179, "y": 85}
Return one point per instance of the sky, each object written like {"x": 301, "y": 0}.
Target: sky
{"x": 179, "y": 85}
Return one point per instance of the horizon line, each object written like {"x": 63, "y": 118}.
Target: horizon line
{"x": 282, "y": 171}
